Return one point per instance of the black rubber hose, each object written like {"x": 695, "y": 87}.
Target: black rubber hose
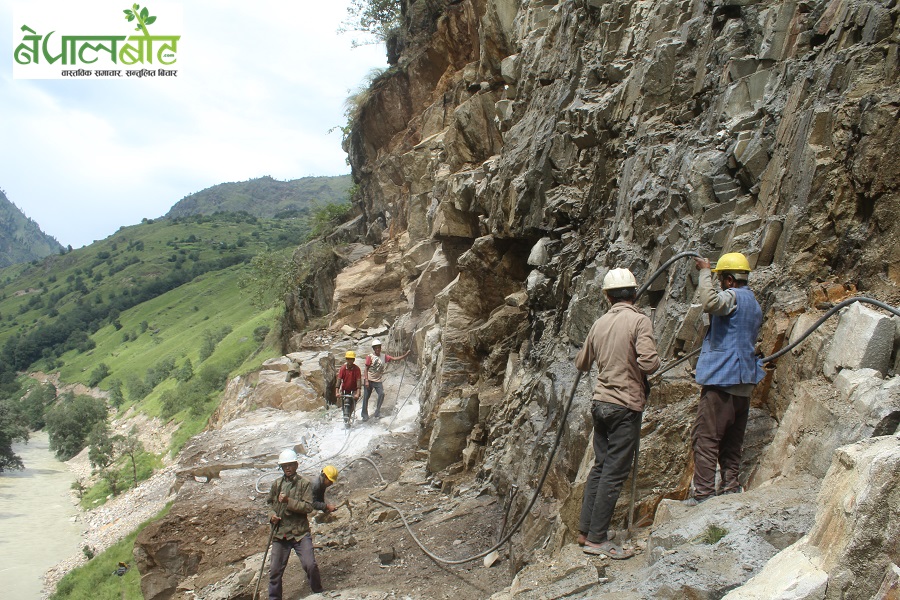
{"x": 515, "y": 528}
{"x": 773, "y": 357}
{"x": 659, "y": 271}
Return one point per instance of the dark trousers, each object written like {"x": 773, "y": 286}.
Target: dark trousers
{"x": 378, "y": 388}
{"x": 616, "y": 431}
{"x": 718, "y": 438}
{"x": 281, "y": 551}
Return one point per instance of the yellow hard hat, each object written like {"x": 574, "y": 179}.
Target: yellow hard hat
{"x": 733, "y": 261}
{"x": 331, "y": 473}
{"x": 350, "y": 354}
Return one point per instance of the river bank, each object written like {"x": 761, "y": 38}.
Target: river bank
{"x": 107, "y": 524}
{"x": 36, "y": 505}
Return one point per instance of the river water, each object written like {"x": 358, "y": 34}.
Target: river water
{"x": 36, "y": 528}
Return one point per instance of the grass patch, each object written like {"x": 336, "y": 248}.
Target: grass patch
{"x": 712, "y": 535}
{"x": 190, "y": 426}
{"x": 145, "y": 464}
{"x": 97, "y": 580}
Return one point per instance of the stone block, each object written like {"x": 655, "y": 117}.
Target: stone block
{"x": 878, "y": 25}
{"x": 790, "y": 575}
{"x": 716, "y": 212}
{"x": 747, "y": 224}
{"x": 504, "y": 110}
{"x": 540, "y": 581}
{"x": 753, "y": 157}
{"x": 454, "y": 422}
{"x": 721, "y": 237}
{"x": 727, "y": 192}
{"x": 419, "y": 228}
{"x": 538, "y": 257}
{"x": 417, "y": 257}
{"x": 771, "y": 235}
{"x": 864, "y": 340}
{"x": 509, "y": 69}
{"x": 436, "y": 275}
{"x": 691, "y": 326}
{"x": 451, "y": 222}
{"x": 738, "y": 68}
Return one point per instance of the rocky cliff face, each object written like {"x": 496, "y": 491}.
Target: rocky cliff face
{"x": 520, "y": 149}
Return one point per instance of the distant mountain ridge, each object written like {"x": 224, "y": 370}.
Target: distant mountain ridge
{"x": 21, "y": 239}
{"x": 265, "y": 197}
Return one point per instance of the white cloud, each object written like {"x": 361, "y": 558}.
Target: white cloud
{"x": 259, "y": 86}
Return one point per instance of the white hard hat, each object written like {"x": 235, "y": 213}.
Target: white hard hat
{"x": 287, "y": 456}
{"x": 619, "y": 278}
{"x": 376, "y": 342}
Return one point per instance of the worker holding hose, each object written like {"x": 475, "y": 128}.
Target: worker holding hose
{"x": 727, "y": 370}
{"x": 622, "y": 346}
{"x": 320, "y": 484}
{"x": 291, "y": 497}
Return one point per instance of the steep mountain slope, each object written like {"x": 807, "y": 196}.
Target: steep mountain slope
{"x": 21, "y": 239}
{"x": 266, "y": 197}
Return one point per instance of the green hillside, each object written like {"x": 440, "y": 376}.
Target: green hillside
{"x": 154, "y": 313}
{"x": 21, "y": 240}
{"x": 53, "y": 306}
{"x": 267, "y": 197}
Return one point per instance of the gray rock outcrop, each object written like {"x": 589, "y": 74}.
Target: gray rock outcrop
{"x": 851, "y": 551}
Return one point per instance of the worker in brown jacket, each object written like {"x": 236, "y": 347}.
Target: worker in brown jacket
{"x": 291, "y": 499}
{"x": 621, "y": 344}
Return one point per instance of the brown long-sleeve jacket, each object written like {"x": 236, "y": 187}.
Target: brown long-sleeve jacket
{"x": 294, "y": 521}
{"x": 621, "y": 344}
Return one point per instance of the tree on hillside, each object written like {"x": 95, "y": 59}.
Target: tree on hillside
{"x": 101, "y": 446}
{"x": 70, "y": 421}
{"x": 12, "y": 429}
{"x": 131, "y": 447}
{"x": 116, "y": 398}
{"x": 35, "y": 403}
{"x": 99, "y": 374}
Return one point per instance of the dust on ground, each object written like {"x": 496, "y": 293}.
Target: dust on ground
{"x": 219, "y": 521}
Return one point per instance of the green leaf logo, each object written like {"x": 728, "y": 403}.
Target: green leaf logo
{"x": 142, "y": 15}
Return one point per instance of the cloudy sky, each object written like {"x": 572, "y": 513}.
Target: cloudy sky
{"x": 259, "y": 86}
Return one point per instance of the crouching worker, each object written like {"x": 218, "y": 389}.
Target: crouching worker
{"x": 320, "y": 484}
{"x": 292, "y": 500}
{"x": 621, "y": 344}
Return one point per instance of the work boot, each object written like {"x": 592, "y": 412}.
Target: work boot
{"x": 377, "y": 415}
{"x": 694, "y": 500}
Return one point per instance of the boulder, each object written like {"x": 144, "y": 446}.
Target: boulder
{"x": 571, "y": 574}
{"x": 864, "y": 340}
{"x": 272, "y": 390}
{"x": 851, "y": 549}
{"x": 437, "y": 273}
{"x": 822, "y": 418}
{"x": 455, "y": 421}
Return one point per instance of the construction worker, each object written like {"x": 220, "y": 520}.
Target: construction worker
{"x": 727, "y": 370}
{"x": 349, "y": 377}
{"x": 324, "y": 480}
{"x": 373, "y": 375}
{"x": 291, "y": 500}
{"x": 622, "y": 346}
